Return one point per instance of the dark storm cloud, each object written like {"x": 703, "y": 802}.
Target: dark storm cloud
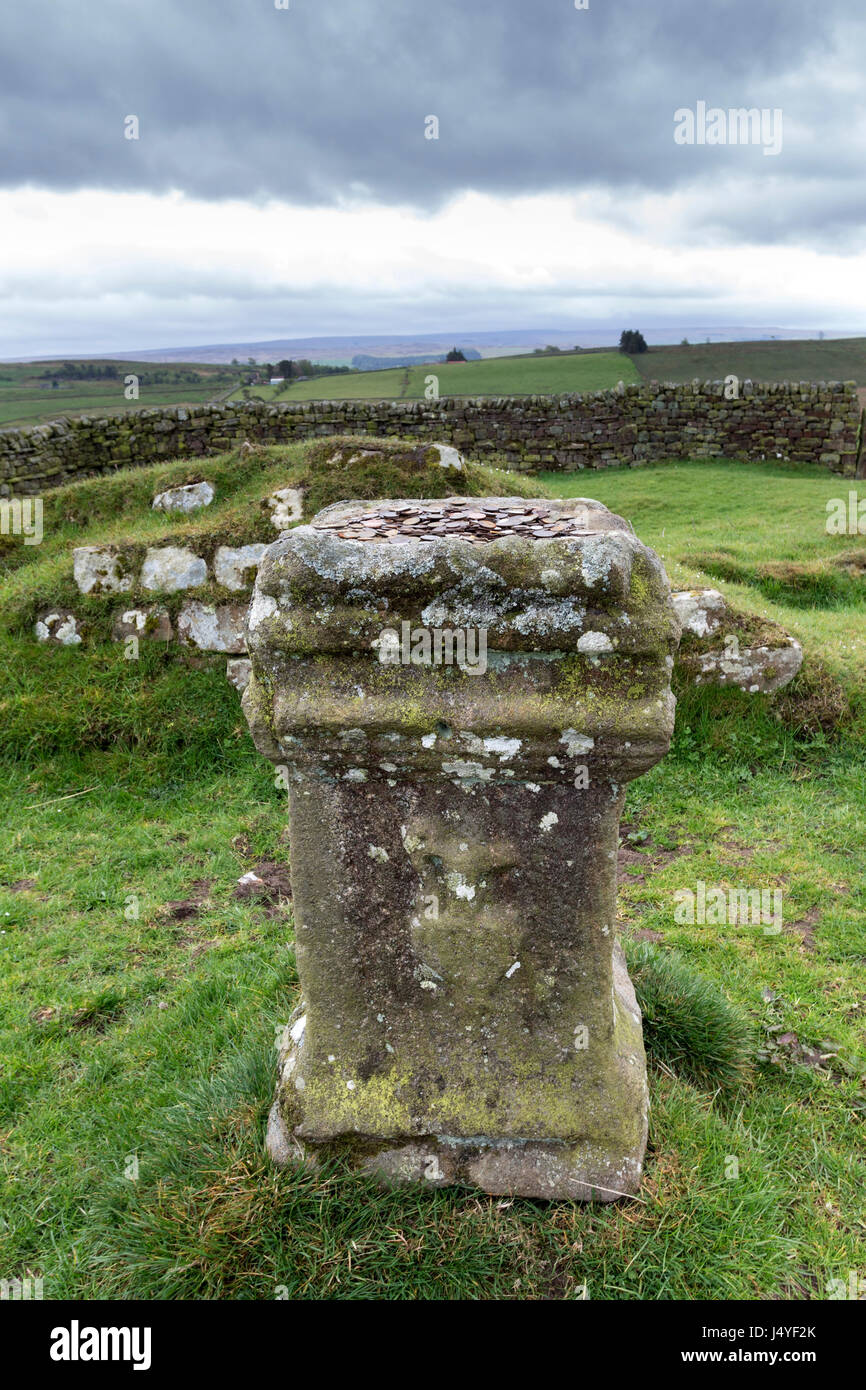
{"x": 326, "y": 101}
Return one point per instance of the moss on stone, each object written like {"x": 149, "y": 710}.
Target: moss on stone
{"x": 339, "y": 467}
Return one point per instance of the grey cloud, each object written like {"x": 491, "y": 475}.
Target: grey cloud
{"x": 327, "y": 100}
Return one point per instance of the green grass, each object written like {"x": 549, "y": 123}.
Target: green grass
{"x": 140, "y": 999}
{"x": 492, "y": 376}
{"x": 688, "y": 1023}
{"x": 842, "y": 359}
{"x": 26, "y": 398}
{"x": 750, "y": 514}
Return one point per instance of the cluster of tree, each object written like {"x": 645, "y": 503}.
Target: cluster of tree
{"x": 301, "y": 366}
{"x": 455, "y": 355}
{"x": 85, "y": 371}
{"x": 116, "y": 371}
{"x": 631, "y": 341}
{"x": 166, "y": 377}
{"x": 552, "y": 351}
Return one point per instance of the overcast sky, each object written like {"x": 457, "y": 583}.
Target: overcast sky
{"x": 282, "y": 184}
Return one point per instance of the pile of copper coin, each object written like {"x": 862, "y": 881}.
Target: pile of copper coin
{"x": 478, "y": 521}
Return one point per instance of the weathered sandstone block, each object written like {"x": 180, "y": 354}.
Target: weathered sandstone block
{"x": 170, "y": 567}
{"x": 457, "y": 706}
{"x": 142, "y": 622}
{"x": 238, "y": 671}
{"x": 185, "y": 499}
{"x": 235, "y": 566}
{"x": 757, "y": 670}
{"x": 700, "y": 611}
{"x": 733, "y": 648}
{"x": 100, "y": 569}
{"x": 286, "y": 506}
{"x": 212, "y": 627}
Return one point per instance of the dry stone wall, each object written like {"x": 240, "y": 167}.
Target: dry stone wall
{"x": 630, "y": 425}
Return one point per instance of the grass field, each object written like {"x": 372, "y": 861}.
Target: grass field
{"x": 837, "y": 360}
{"x": 493, "y": 376}
{"x": 140, "y": 997}
{"x": 694, "y": 514}
{"x": 842, "y": 359}
{"x": 28, "y": 398}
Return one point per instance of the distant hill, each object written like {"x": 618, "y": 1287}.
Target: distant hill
{"x": 338, "y": 350}
{"x": 365, "y": 363}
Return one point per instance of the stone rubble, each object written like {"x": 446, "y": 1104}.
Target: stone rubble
{"x": 168, "y": 568}
{"x": 154, "y": 623}
{"x": 58, "y": 626}
{"x": 213, "y": 627}
{"x": 235, "y": 566}
{"x": 99, "y": 569}
{"x": 185, "y": 499}
{"x": 757, "y": 668}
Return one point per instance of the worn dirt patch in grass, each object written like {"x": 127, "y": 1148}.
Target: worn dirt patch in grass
{"x": 184, "y": 908}
{"x": 633, "y": 864}
{"x": 647, "y": 934}
{"x": 805, "y": 928}
{"x": 267, "y": 883}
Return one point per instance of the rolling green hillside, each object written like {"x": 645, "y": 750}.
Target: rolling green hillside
{"x": 843, "y": 359}
{"x": 493, "y": 376}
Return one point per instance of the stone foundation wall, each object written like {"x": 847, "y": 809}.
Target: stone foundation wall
{"x": 630, "y": 425}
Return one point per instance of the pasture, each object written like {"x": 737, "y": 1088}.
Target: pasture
{"x": 492, "y": 376}
{"x": 29, "y": 397}
{"x": 839, "y": 359}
